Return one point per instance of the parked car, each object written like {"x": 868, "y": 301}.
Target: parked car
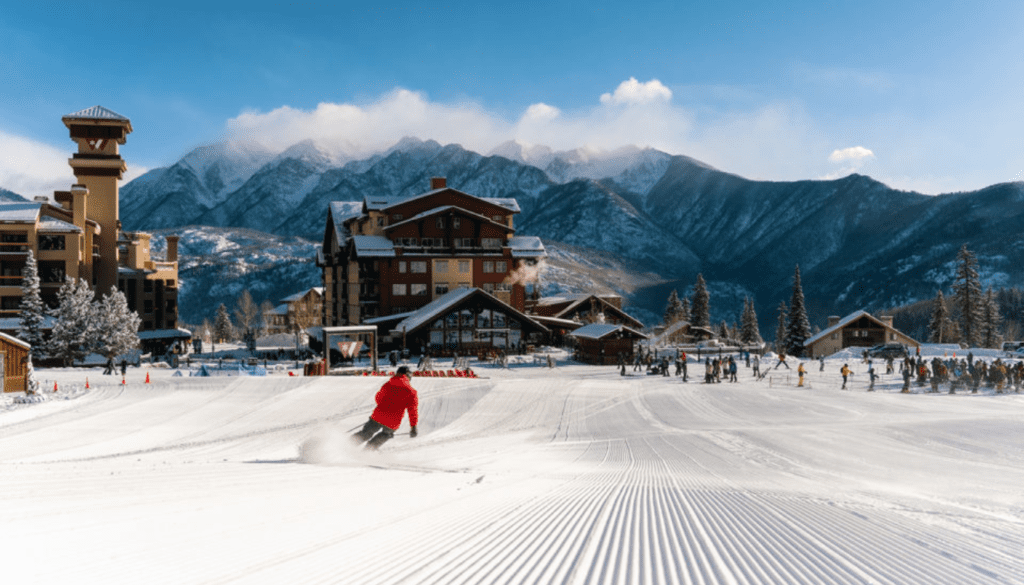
{"x": 895, "y": 351}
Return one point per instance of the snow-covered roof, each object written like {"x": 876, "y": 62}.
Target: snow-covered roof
{"x": 444, "y": 208}
{"x": 27, "y": 211}
{"x": 543, "y": 301}
{"x": 556, "y": 322}
{"x": 96, "y": 113}
{"x": 388, "y": 318}
{"x": 14, "y": 323}
{"x": 298, "y": 296}
{"x": 428, "y": 311}
{"x": 52, "y": 224}
{"x": 602, "y": 330}
{"x": 280, "y": 310}
{"x": 178, "y": 333}
{"x": 373, "y": 246}
{"x": 14, "y": 340}
{"x": 526, "y": 247}
{"x": 443, "y": 303}
{"x": 381, "y": 203}
{"x": 842, "y": 323}
{"x": 342, "y": 211}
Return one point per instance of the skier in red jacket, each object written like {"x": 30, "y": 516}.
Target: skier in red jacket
{"x": 393, "y": 399}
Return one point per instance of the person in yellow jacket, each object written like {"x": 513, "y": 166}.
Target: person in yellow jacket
{"x": 800, "y": 371}
{"x": 845, "y": 371}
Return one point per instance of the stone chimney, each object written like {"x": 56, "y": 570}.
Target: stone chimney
{"x": 833, "y": 320}
{"x": 172, "y": 248}
{"x": 438, "y": 183}
{"x": 887, "y": 319}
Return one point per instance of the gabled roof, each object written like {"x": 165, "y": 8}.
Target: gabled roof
{"x": 177, "y": 333}
{"x": 602, "y": 330}
{"x": 378, "y": 246}
{"x": 442, "y": 209}
{"x": 844, "y": 322}
{"x": 96, "y": 113}
{"x": 27, "y": 211}
{"x": 439, "y": 306}
{"x": 377, "y": 203}
{"x": 578, "y": 299}
{"x": 298, "y": 296}
{"x": 15, "y": 341}
{"x": 340, "y": 212}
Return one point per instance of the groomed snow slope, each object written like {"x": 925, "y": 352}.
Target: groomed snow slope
{"x": 571, "y": 475}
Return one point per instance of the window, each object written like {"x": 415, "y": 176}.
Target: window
{"x": 147, "y": 285}
{"x": 439, "y": 222}
{"x": 432, "y": 242}
{"x": 489, "y": 287}
{"x": 456, "y": 222}
{"x": 51, "y": 242}
{"x": 441, "y": 266}
{"x": 398, "y": 290}
{"x": 501, "y": 267}
{"x": 10, "y": 303}
{"x": 463, "y": 265}
{"x": 503, "y": 286}
{"x": 14, "y": 238}
{"x": 463, "y": 242}
{"x": 51, "y": 271}
{"x": 398, "y": 217}
{"x": 498, "y": 218}
{"x": 441, "y": 289}
{"x": 490, "y": 242}
{"x": 488, "y": 266}
{"x": 406, "y": 242}
{"x": 403, "y": 267}
{"x": 418, "y": 290}
{"x": 418, "y": 266}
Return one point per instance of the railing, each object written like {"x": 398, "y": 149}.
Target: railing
{"x": 11, "y": 280}
{"x": 6, "y": 248}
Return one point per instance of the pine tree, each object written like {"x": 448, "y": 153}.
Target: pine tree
{"x": 723, "y": 330}
{"x": 33, "y": 311}
{"x": 117, "y": 327}
{"x": 749, "y": 333}
{"x": 685, "y": 308}
{"x": 780, "y": 331}
{"x": 700, "y": 315}
{"x": 74, "y": 332}
{"x": 222, "y": 325}
{"x": 674, "y": 309}
{"x": 798, "y": 328}
{"x": 992, "y": 321}
{"x": 939, "y": 323}
{"x": 969, "y": 298}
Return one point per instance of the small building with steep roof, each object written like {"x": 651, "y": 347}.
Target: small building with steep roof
{"x": 858, "y": 329}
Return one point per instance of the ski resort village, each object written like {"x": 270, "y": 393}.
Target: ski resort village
{"x": 451, "y": 387}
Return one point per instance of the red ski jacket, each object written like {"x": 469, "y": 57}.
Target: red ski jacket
{"x": 393, "y": 399}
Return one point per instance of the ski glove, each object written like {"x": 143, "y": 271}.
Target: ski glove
{"x": 413, "y": 433}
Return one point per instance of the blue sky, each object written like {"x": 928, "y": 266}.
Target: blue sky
{"x": 920, "y": 95}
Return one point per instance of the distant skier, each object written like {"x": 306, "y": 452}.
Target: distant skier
{"x": 756, "y": 365}
{"x": 845, "y": 371}
{"x": 395, "y": 397}
{"x": 781, "y": 362}
{"x": 800, "y": 371}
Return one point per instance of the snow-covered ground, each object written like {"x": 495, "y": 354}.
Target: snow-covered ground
{"x": 525, "y": 475}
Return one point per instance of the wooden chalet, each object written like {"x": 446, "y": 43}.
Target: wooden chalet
{"x": 858, "y": 329}
{"x": 603, "y": 343}
{"x": 14, "y": 357}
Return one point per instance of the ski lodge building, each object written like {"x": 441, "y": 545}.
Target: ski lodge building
{"x": 444, "y": 267}
{"x": 858, "y": 329}
{"x": 80, "y": 236}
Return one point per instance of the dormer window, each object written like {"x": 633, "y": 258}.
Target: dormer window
{"x": 439, "y": 222}
{"x": 498, "y": 218}
{"x": 398, "y": 217}
{"x": 456, "y": 222}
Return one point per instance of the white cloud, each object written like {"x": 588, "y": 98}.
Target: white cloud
{"x": 852, "y": 154}
{"x": 31, "y": 168}
{"x": 632, "y": 91}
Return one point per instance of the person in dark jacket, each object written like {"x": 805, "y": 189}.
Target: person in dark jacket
{"x": 394, "y": 398}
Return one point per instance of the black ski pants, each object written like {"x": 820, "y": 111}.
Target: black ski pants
{"x": 373, "y": 434}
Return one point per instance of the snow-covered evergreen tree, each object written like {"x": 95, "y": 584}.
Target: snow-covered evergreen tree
{"x": 992, "y": 321}
{"x": 685, "y": 310}
{"x": 798, "y": 328}
{"x": 74, "y": 332}
{"x": 969, "y": 298}
{"x": 780, "y": 330}
{"x": 938, "y": 326}
{"x": 723, "y": 330}
{"x": 674, "y": 309}
{"x": 749, "y": 331}
{"x": 222, "y": 327}
{"x": 117, "y": 326}
{"x": 700, "y": 315}
{"x": 33, "y": 311}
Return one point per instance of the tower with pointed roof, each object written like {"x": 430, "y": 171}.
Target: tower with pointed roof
{"x": 98, "y": 166}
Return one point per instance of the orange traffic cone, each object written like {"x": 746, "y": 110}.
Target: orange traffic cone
{"x": 147, "y": 377}
{"x": 87, "y": 382}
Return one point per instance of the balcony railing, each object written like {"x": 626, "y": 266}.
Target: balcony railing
{"x": 11, "y": 280}
{"x": 17, "y": 248}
